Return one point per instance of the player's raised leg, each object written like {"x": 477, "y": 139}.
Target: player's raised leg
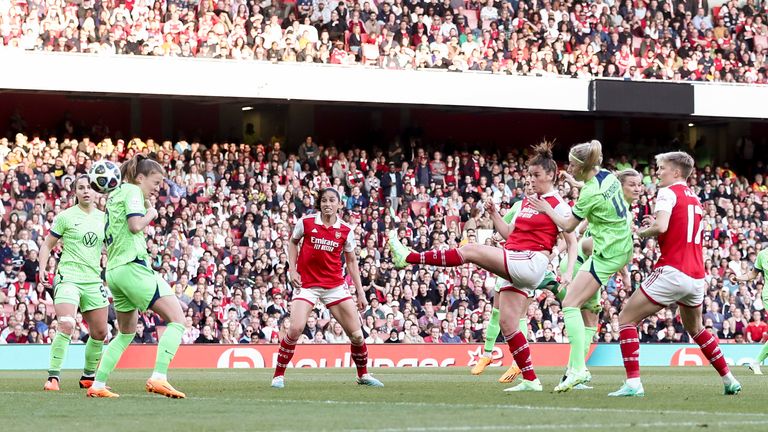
{"x": 346, "y": 314}
{"x": 691, "y": 317}
{"x": 300, "y": 310}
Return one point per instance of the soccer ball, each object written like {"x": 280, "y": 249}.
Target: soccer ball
{"x": 104, "y": 176}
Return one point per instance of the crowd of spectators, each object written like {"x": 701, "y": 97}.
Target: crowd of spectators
{"x": 635, "y": 39}
{"x": 227, "y": 209}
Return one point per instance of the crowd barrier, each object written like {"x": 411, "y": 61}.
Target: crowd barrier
{"x": 35, "y": 357}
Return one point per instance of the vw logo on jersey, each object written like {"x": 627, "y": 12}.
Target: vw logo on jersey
{"x": 90, "y": 239}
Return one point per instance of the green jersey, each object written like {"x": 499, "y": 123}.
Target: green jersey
{"x": 602, "y": 203}
{"x": 123, "y": 246}
{"x": 510, "y": 216}
{"x": 83, "y": 237}
{"x": 761, "y": 262}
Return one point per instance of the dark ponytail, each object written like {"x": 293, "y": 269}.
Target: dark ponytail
{"x": 542, "y": 156}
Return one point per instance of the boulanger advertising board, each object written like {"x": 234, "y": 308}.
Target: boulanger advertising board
{"x": 35, "y": 357}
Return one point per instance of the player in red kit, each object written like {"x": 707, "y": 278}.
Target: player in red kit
{"x": 678, "y": 275}
{"x": 522, "y": 262}
{"x": 314, "y": 256}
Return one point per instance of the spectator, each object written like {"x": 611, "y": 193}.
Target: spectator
{"x": 142, "y": 336}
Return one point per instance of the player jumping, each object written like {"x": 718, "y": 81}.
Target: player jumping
{"x": 523, "y": 261}
{"x": 135, "y": 286}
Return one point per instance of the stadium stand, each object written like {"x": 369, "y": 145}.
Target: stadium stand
{"x": 682, "y": 40}
{"x": 227, "y": 209}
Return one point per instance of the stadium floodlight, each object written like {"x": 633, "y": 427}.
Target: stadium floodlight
{"x": 246, "y": 108}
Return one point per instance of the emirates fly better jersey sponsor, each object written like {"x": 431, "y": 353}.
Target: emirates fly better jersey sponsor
{"x": 319, "y": 263}
{"x": 535, "y": 231}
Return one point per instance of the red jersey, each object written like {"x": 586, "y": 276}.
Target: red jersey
{"x": 535, "y": 231}
{"x": 681, "y": 245}
{"x": 319, "y": 263}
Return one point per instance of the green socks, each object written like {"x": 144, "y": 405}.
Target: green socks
{"x": 112, "y": 355}
{"x": 574, "y": 324}
{"x": 763, "y": 353}
{"x": 492, "y": 332}
{"x": 589, "y": 337}
{"x": 170, "y": 342}
{"x": 93, "y": 350}
{"x": 58, "y": 352}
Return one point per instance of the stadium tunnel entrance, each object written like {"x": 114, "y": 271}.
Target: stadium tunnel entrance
{"x": 369, "y": 126}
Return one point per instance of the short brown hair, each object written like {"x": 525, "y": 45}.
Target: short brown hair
{"x": 680, "y": 159}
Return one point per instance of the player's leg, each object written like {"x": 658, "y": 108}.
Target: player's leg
{"x": 301, "y": 307}
{"x": 639, "y": 306}
{"x": 580, "y": 290}
{"x": 514, "y": 370}
{"x": 755, "y": 366}
{"x": 491, "y": 332}
{"x": 512, "y": 305}
{"x": 167, "y": 306}
{"x": 346, "y": 314}
{"x": 94, "y": 307}
{"x": 488, "y": 257}
{"x": 97, "y": 327}
{"x": 126, "y": 323}
{"x": 65, "y": 304}
{"x": 691, "y": 317}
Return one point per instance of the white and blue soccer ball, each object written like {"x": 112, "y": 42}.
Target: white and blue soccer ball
{"x": 104, "y": 176}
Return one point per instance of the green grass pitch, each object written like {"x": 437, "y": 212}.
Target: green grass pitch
{"x": 677, "y": 399}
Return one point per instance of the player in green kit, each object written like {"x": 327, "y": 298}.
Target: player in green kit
{"x": 77, "y": 283}
{"x": 761, "y": 266}
{"x": 602, "y": 203}
{"x": 135, "y": 286}
{"x": 492, "y": 331}
{"x": 631, "y": 184}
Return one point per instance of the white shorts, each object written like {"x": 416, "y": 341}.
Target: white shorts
{"x": 327, "y": 296}
{"x": 526, "y": 270}
{"x": 667, "y": 285}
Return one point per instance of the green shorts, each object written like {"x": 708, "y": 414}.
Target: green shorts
{"x": 136, "y": 286}
{"x": 87, "y": 296}
{"x": 602, "y": 268}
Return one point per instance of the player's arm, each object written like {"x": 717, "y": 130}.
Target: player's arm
{"x": 567, "y": 223}
{"x": 293, "y": 254}
{"x": 655, "y": 225}
{"x": 583, "y": 226}
{"x": 499, "y": 224}
{"x": 665, "y": 201}
{"x": 140, "y": 212}
{"x": 354, "y": 271}
{"x": 45, "y": 253}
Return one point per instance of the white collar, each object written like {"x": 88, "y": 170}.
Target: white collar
{"x": 319, "y": 221}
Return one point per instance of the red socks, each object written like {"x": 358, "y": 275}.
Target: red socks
{"x": 360, "y": 357}
{"x": 630, "y": 350}
{"x": 518, "y": 346}
{"x": 442, "y": 258}
{"x": 284, "y": 355}
{"x": 711, "y": 349}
